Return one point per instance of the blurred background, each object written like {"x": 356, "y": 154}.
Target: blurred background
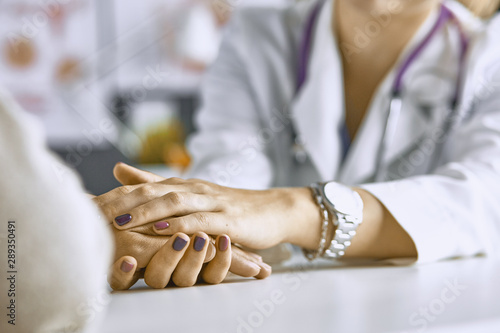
{"x": 113, "y": 80}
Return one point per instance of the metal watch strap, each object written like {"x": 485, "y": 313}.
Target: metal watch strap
{"x": 318, "y": 197}
{"x": 345, "y": 231}
{"x": 346, "y": 226}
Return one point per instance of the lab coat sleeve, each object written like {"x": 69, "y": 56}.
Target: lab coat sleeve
{"x": 227, "y": 147}
{"x": 454, "y": 212}
{"x": 62, "y": 251}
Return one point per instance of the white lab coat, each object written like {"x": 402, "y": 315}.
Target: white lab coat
{"x": 244, "y": 137}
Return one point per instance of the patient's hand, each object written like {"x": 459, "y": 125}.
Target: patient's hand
{"x": 142, "y": 243}
{"x": 159, "y": 259}
{"x": 180, "y": 259}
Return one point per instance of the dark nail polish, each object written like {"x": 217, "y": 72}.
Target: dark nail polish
{"x": 223, "y": 243}
{"x": 123, "y": 219}
{"x": 161, "y": 225}
{"x": 179, "y": 244}
{"x": 126, "y": 266}
{"x": 199, "y": 243}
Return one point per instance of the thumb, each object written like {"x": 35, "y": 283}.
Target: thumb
{"x": 123, "y": 273}
{"x": 128, "y": 175}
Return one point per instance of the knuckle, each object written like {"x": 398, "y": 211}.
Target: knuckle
{"x": 125, "y": 189}
{"x": 198, "y": 180}
{"x": 146, "y": 190}
{"x": 226, "y": 205}
{"x": 174, "y": 180}
{"x": 175, "y": 198}
{"x": 202, "y": 188}
{"x": 203, "y": 219}
{"x": 183, "y": 229}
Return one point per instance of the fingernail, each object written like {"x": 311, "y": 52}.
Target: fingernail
{"x": 199, "y": 243}
{"x": 126, "y": 266}
{"x": 254, "y": 265}
{"x": 255, "y": 255}
{"x": 123, "y": 219}
{"x": 223, "y": 243}
{"x": 179, "y": 243}
{"x": 263, "y": 264}
{"x": 161, "y": 225}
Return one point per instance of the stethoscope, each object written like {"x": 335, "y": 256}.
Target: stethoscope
{"x": 395, "y": 106}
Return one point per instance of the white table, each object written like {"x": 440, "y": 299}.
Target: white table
{"x": 451, "y": 296}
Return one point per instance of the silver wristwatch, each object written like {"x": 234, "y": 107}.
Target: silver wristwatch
{"x": 346, "y": 207}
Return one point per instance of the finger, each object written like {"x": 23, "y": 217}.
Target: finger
{"x": 121, "y": 171}
{"x": 164, "y": 262}
{"x": 265, "y": 271}
{"x": 254, "y": 255}
{"x": 114, "y": 194}
{"x": 215, "y": 272}
{"x": 123, "y": 273}
{"x": 204, "y": 220}
{"x": 140, "y": 195}
{"x": 211, "y": 251}
{"x": 171, "y": 204}
{"x": 246, "y": 265}
{"x": 128, "y": 175}
{"x": 188, "y": 269}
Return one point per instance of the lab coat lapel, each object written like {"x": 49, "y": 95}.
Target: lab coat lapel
{"x": 360, "y": 162}
{"x": 318, "y": 109}
{"x": 414, "y": 122}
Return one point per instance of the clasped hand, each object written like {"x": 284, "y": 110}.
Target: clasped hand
{"x": 147, "y": 246}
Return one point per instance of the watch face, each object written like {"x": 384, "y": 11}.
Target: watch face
{"x": 343, "y": 199}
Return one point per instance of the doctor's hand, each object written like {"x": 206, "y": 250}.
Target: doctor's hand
{"x": 256, "y": 219}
